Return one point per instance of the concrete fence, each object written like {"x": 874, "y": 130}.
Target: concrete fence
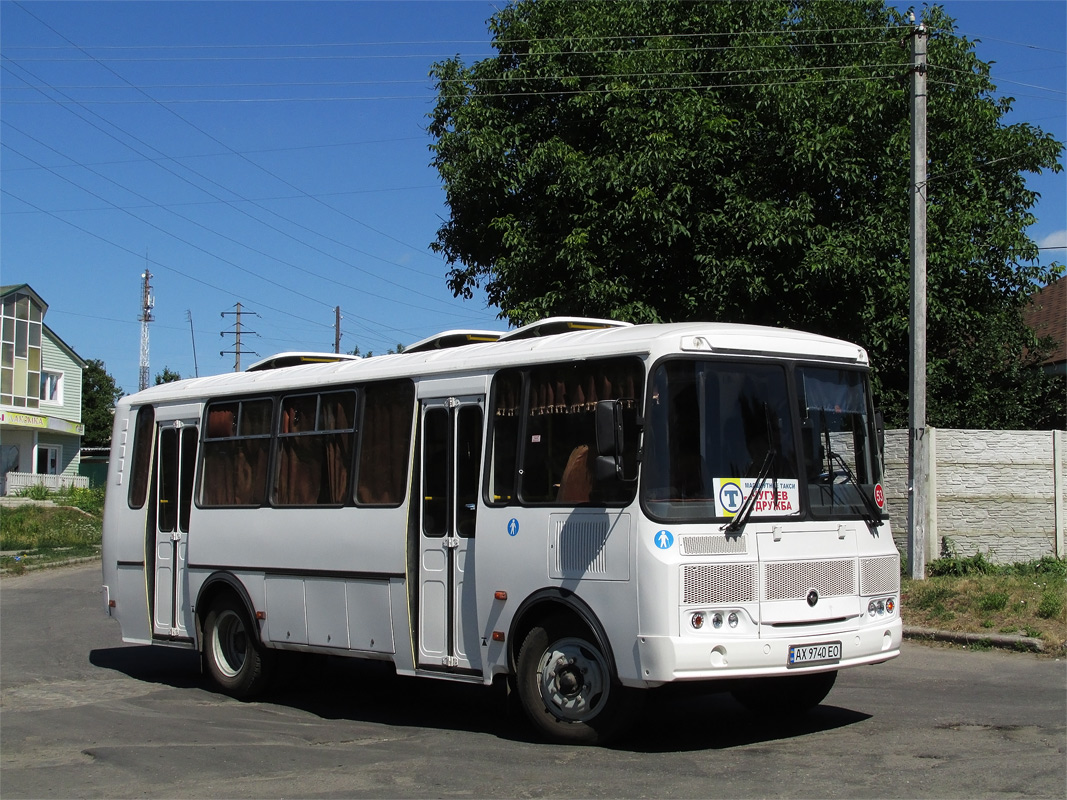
{"x": 1000, "y": 493}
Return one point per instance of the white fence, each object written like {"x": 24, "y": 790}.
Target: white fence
{"x": 14, "y": 482}
{"x": 1000, "y": 493}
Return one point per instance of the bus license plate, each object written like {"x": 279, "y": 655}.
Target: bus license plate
{"x": 822, "y": 653}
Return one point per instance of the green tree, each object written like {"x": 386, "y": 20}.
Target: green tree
{"x": 748, "y": 162}
{"x": 167, "y": 376}
{"x": 99, "y": 395}
{"x": 370, "y": 353}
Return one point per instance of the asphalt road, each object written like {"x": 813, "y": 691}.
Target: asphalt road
{"x": 82, "y": 715}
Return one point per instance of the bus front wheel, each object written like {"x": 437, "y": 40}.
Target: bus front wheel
{"x": 566, "y": 685}
{"x": 236, "y": 659}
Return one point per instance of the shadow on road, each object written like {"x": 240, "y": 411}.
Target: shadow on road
{"x": 675, "y": 718}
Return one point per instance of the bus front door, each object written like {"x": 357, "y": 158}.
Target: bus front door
{"x": 176, "y": 453}
{"x": 451, "y": 458}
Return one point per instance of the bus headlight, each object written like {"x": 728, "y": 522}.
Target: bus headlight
{"x": 716, "y": 620}
{"x": 732, "y": 619}
{"x": 697, "y": 620}
{"x": 881, "y": 606}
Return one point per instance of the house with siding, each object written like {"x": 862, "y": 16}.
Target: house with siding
{"x": 40, "y": 397}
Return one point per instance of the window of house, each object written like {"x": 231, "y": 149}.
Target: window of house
{"x": 20, "y": 351}
{"x": 52, "y": 387}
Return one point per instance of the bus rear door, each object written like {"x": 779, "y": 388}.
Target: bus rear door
{"x": 451, "y": 457}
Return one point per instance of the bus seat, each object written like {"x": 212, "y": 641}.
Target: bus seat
{"x": 576, "y": 485}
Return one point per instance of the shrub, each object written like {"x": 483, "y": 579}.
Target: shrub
{"x": 88, "y": 500}
{"x": 1046, "y": 565}
{"x": 959, "y": 566}
{"x": 1051, "y": 604}
{"x": 36, "y": 492}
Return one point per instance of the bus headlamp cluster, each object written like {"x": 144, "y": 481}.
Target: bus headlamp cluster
{"x": 718, "y": 618}
{"x": 881, "y": 606}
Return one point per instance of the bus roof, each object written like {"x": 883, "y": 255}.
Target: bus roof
{"x": 653, "y": 340}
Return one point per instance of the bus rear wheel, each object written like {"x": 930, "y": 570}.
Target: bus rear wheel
{"x": 789, "y": 695}
{"x": 236, "y": 659}
{"x": 566, "y": 686}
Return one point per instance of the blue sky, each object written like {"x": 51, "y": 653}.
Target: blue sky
{"x": 274, "y": 154}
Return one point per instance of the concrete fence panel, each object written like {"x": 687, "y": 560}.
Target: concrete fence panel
{"x": 1000, "y": 493}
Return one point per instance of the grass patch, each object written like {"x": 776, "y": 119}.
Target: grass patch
{"x": 992, "y": 601}
{"x": 89, "y": 500}
{"x": 41, "y": 534}
{"x": 974, "y": 595}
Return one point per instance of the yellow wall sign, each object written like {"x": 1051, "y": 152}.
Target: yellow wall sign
{"x": 41, "y": 423}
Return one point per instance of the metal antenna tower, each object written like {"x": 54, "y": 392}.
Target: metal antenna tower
{"x": 237, "y": 333}
{"x": 147, "y": 304}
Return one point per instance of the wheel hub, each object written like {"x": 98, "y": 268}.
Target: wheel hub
{"x": 573, "y": 680}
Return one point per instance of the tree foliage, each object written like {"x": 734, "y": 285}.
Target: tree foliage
{"x": 99, "y": 395}
{"x": 167, "y": 376}
{"x": 748, "y": 162}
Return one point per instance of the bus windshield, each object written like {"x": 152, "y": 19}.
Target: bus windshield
{"x": 840, "y": 462}
{"x": 716, "y": 431}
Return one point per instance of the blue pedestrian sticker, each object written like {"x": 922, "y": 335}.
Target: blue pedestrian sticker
{"x": 513, "y": 527}
{"x": 663, "y": 540}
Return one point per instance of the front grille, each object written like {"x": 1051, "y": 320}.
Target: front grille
{"x": 705, "y": 584}
{"x": 880, "y": 575}
{"x": 791, "y": 580}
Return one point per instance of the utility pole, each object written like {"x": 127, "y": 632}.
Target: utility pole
{"x": 918, "y": 479}
{"x": 236, "y": 333}
{"x": 189, "y": 316}
{"x": 337, "y": 329}
{"x": 147, "y": 304}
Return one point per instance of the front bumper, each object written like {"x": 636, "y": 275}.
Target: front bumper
{"x": 664, "y": 659}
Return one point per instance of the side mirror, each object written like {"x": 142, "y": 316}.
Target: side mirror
{"x": 879, "y": 427}
{"x": 616, "y": 440}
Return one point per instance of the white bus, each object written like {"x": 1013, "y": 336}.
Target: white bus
{"x": 584, "y": 508}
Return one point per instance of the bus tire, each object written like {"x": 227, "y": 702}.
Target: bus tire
{"x": 236, "y": 659}
{"x": 785, "y": 696}
{"x": 566, "y": 686}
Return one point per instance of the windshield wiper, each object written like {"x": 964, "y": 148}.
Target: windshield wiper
{"x": 743, "y": 513}
{"x": 873, "y": 515}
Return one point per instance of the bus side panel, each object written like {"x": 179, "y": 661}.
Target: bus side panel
{"x": 343, "y": 542}
{"x": 521, "y": 549}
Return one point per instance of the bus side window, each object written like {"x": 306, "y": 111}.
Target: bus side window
{"x": 141, "y": 463}
{"x": 235, "y": 453}
{"x": 315, "y": 444}
{"x": 385, "y": 443}
{"x": 505, "y": 411}
{"x": 559, "y": 437}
